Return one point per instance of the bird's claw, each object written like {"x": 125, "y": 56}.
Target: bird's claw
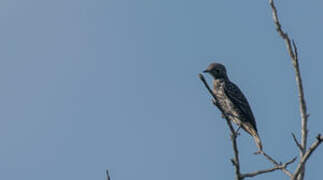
{"x": 237, "y": 131}
{"x": 214, "y": 102}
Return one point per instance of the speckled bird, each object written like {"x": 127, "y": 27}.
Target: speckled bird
{"x": 232, "y": 101}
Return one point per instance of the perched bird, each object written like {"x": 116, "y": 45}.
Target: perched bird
{"x": 232, "y": 101}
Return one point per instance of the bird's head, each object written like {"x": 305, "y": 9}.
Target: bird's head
{"x": 217, "y": 70}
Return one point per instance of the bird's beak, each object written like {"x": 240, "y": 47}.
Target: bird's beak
{"x": 206, "y": 71}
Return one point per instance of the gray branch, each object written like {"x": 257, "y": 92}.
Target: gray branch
{"x": 297, "y": 143}
{"x": 308, "y": 153}
{"x": 276, "y": 164}
{"x": 292, "y": 51}
{"x": 277, "y": 167}
{"x": 107, "y": 174}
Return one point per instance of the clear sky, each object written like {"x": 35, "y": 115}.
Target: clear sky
{"x": 91, "y": 85}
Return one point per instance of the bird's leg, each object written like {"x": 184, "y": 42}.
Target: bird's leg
{"x": 237, "y": 131}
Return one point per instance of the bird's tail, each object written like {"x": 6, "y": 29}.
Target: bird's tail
{"x": 252, "y": 131}
{"x": 258, "y": 141}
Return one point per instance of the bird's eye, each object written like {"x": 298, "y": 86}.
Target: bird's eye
{"x": 217, "y": 70}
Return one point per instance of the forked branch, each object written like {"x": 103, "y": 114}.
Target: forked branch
{"x": 319, "y": 139}
{"x": 277, "y": 167}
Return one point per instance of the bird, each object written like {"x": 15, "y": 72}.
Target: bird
{"x": 233, "y": 102}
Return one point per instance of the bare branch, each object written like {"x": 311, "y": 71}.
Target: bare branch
{"x": 294, "y": 56}
{"x": 308, "y": 153}
{"x": 280, "y": 167}
{"x": 235, "y": 150}
{"x": 292, "y": 51}
{"x": 297, "y": 143}
{"x": 283, "y": 168}
{"x": 295, "y": 49}
{"x": 108, "y": 175}
{"x": 208, "y": 88}
{"x": 235, "y": 161}
{"x": 280, "y": 31}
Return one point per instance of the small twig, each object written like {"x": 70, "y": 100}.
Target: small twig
{"x": 297, "y": 143}
{"x": 259, "y": 172}
{"x": 319, "y": 139}
{"x": 284, "y": 169}
{"x": 108, "y": 175}
{"x": 234, "y": 161}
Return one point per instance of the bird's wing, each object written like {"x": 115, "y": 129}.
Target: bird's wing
{"x": 233, "y": 92}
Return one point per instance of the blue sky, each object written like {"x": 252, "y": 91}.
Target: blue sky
{"x": 91, "y": 85}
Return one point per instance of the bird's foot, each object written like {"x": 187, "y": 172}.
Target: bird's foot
{"x": 237, "y": 131}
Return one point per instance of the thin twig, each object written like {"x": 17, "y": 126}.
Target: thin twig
{"x": 107, "y": 174}
{"x": 308, "y": 153}
{"x": 235, "y": 161}
{"x": 297, "y": 143}
{"x": 292, "y": 50}
{"x": 284, "y": 169}
{"x": 279, "y": 167}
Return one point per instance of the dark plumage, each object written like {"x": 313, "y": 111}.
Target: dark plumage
{"x": 232, "y": 101}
